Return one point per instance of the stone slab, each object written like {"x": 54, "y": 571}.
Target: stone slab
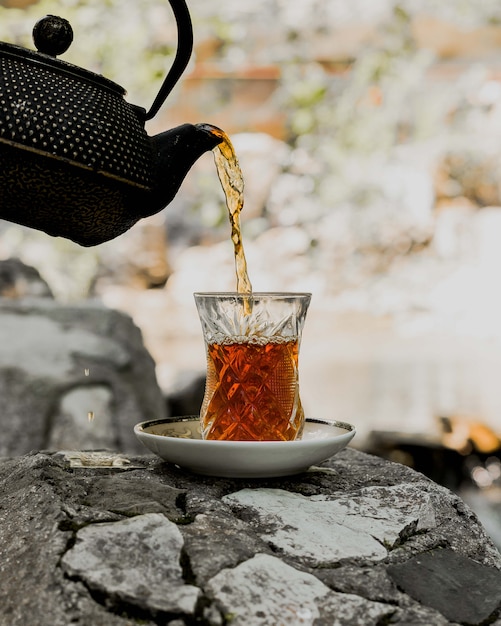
{"x": 136, "y": 561}
{"x": 76, "y": 377}
{"x": 142, "y": 541}
{"x": 460, "y": 588}
{"x": 323, "y": 530}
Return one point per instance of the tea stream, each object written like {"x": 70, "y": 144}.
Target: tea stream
{"x": 232, "y": 182}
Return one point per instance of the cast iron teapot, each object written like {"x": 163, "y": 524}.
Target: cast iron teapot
{"x": 75, "y": 159}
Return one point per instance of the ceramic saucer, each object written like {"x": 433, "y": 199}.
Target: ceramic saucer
{"x": 178, "y": 440}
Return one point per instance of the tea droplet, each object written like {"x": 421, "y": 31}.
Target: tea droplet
{"x": 90, "y": 416}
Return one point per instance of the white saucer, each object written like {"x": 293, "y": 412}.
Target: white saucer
{"x": 178, "y": 440}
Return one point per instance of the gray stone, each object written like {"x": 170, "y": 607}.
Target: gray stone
{"x": 113, "y": 540}
{"x": 127, "y": 494}
{"x": 72, "y": 377}
{"x": 18, "y": 280}
{"x": 136, "y": 561}
{"x": 322, "y": 530}
{"x": 33, "y": 536}
{"x": 264, "y": 590}
{"x": 440, "y": 578}
{"x": 216, "y": 532}
{"x": 215, "y": 527}
{"x": 75, "y": 421}
{"x": 372, "y": 583}
{"x": 342, "y": 609}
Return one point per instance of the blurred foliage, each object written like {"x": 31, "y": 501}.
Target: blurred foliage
{"x": 380, "y": 104}
{"x": 383, "y": 102}
{"x": 463, "y": 12}
{"x": 361, "y": 113}
{"x": 345, "y": 117}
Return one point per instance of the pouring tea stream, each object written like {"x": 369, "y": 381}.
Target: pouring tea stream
{"x": 75, "y": 158}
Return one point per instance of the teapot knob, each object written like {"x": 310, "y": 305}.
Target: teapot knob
{"x": 52, "y": 35}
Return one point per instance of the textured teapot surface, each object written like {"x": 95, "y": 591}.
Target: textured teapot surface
{"x": 51, "y": 106}
{"x": 72, "y": 119}
{"x": 75, "y": 159}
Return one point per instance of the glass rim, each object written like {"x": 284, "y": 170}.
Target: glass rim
{"x": 254, "y": 294}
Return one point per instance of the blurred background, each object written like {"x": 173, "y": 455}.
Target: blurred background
{"x": 369, "y": 136}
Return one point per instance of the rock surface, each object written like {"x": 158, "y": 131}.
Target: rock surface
{"x": 72, "y": 377}
{"x": 440, "y": 579}
{"x": 103, "y": 539}
{"x": 18, "y": 280}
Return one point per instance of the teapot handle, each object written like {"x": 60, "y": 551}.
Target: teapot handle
{"x": 183, "y": 54}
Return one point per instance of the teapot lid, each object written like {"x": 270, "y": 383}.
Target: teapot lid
{"x": 53, "y": 35}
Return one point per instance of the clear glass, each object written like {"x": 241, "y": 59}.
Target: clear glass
{"x": 252, "y": 347}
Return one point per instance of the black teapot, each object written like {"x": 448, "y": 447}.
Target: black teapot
{"x": 75, "y": 159}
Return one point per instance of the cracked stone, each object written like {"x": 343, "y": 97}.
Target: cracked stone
{"x": 229, "y": 539}
{"x": 372, "y": 583}
{"x": 343, "y": 609}
{"x": 264, "y": 590}
{"x": 136, "y": 561}
{"x": 323, "y": 530}
{"x": 128, "y": 495}
{"x": 439, "y": 579}
{"x": 121, "y": 568}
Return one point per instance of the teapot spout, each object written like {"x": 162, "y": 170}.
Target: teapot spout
{"x": 175, "y": 152}
{"x": 67, "y": 199}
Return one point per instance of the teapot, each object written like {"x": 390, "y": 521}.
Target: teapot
{"x": 75, "y": 158}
